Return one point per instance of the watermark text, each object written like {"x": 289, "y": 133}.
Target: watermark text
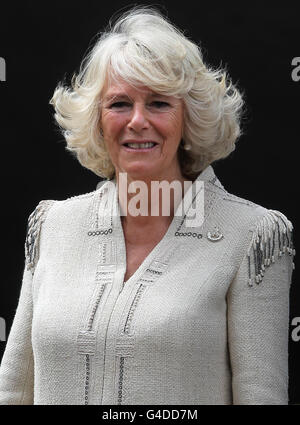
{"x": 2, "y": 69}
{"x": 296, "y": 331}
{"x": 296, "y": 71}
{"x": 2, "y": 329}
{"x": 162, "y": 198}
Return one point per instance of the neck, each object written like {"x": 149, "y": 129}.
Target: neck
{"x": 145, "y": 201}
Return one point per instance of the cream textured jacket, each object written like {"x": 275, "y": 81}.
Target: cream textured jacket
{"x": 204, "y": 319}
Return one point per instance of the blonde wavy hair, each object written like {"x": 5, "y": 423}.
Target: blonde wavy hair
{"x": 143, "y": 48}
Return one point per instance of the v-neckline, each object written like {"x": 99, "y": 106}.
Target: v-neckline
{"x": 154, "y": 253}
{"x": 167, "y": 239}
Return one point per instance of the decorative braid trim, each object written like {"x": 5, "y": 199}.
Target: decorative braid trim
{"x": 272, "y": 237}
{"x": 79, "y": 197}
{"x": 34, "y": 223}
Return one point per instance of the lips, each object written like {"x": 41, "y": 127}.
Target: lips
{"x": 139, "y": 145}
{"x": 126, "y": 142}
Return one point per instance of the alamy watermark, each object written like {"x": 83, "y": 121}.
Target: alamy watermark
{"x": 137, "y": 200}
{"x": 296, "y": 71}
{"x": 2, "y": 329}
{"x": 296, "y": 331}
{"x": 2, "y": 69}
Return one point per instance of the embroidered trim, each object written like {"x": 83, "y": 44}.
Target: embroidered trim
{"x": 217, "y": 184}
{"x": 233, "y": 198}
{"x": 95, "y": 306}
{"x": 82, "y": 196}
{"x": 194, "y": 234}
{"x": 124, "y": 346}
{"x": 100, "y": 232}
{"x": 102, "y": 211}
{"x": 271, "y": 238}
{"x": 86, "y": 342}
{"x": 135, "y": 301}
{"x": 213, "y": 180}
{"x": 86, "y": 339}
{"x": 87, "y": 379}
{"x": 183, "y": 230}
{"x": 35, "y": 220}
{"x": 124, "y": 350}
{"x": 120, "y": 383}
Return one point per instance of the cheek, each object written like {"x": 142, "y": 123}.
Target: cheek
{"x": 112, "y": 124}
{"x": 171, "y": 127}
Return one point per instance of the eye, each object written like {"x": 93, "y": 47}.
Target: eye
{"x": 159, "y": 104}
{"x": 119, "y": 104}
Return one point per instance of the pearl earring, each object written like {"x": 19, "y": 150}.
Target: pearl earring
{"x": 187, "y": 147}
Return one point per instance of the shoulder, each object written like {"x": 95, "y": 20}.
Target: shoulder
{"x": 34, "y": 223}
{"x": 238, "y": 211}
{"x": 264, "y": 235}
{"x": 73, "y": 208}
{"x": 50, "y": 206}
{"x": 49, "y": 215}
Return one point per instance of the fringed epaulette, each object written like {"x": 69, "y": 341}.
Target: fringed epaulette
{"x": 272, "y": 238}
{"x": 34, "y": 223}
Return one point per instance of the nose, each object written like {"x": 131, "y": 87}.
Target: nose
{"x": 138, "y": 119}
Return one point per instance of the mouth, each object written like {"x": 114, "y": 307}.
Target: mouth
{"x": 140, "y": 146}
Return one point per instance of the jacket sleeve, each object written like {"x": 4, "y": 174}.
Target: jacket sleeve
{"x": 258, "y": 314}
{"x": 17, "y": 365}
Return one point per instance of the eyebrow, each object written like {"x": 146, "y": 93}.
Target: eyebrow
{"x": 116, "y": 95}
{"x": 126, "y": 96}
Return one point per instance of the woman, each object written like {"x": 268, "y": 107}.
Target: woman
{"x": 135, "y": 295}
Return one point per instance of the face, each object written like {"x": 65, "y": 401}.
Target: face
{"x": 142, "y": 131}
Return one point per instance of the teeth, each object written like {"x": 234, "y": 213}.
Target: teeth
{"x": 141, "y": 145}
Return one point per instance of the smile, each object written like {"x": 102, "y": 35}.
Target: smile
{"x": 141, "y": 147}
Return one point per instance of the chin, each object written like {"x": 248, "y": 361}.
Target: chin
{"x": 141, "y": 172}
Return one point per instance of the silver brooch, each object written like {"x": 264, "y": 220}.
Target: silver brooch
{"x": 214, "y": 235}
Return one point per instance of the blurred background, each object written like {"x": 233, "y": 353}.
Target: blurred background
{"x": 42, "y": 43}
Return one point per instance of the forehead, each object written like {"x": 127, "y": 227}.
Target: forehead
{"x": 122, "y": 88}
